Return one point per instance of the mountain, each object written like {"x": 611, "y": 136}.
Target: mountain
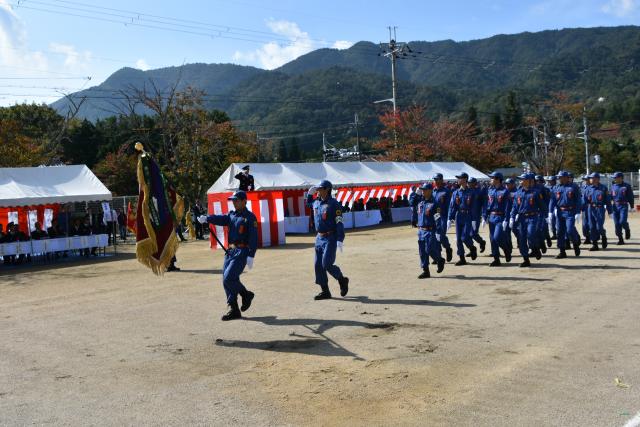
{"x": 328, "y": 86}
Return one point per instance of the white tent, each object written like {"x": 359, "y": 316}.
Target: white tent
{"x": 47, "y": 185}
{"x": 281, "y": 176}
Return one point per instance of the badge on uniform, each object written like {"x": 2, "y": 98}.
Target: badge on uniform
{"x": 324, "y": 214}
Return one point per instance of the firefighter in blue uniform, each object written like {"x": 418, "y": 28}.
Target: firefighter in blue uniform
{"x": 550, "y": 184}
{"x": 596, "y": 199}
{"x": 243, "y": 243}
{"x": 622, "y": 201}
{"x": 327, "y": 216}
{"x": 463, "y": 202}
{"x": 585, "y": 219}
{"x": 481, "y": 197}
{"x": 566, "y": 203}
{"x": 429, "y": 232}
{"x": 510, "y": 183}
{"x": 442, "y": 196}
{"x": 545, "y": 236}
{"x": 415, "y": 197}
{"x": 496, "y": 213}
{"x": 525, "y": 214}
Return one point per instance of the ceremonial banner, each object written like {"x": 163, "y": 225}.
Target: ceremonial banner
{"x": 159, "y": 209}
{"x": 131, "y": 218}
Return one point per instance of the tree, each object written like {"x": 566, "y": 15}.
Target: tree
{"x": 282, "y": 152}
{"x": 18, "y": 149}
{"x": 118, "y": 171}
{"x": 408, "y": 136}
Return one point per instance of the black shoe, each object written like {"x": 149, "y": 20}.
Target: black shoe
{"x": 246, "y": 301}
{"x": 549, "y": 241}
{"x": 507, "y": 256}
{"x": 434, "y": 262}
{"x": 538, "y": 254}
{"x": 474, "y": 253}
{"x": 543, "y": 248}
{"x": 525, "y": 263}
{"x": 587, "y": 241}
{"x": 425, "y": 274}
{"x": 483, "y": 245}
{"x": 594, "y": 248}
{"x": 440, "y": 265}
{"x": 344, "y": 286}
{"x": 322, "y": 295}
{"x": 173, "y": 268}
{"x": 561, "y": 255}
{"x": 605, "y": 242}
{"x": 576, "y": 250}
{"x": 233, "y": 313}
{"x": 627, "y": 234}
{"x": 449, "y": 254}
{"x": 496, "y": 262}
{"x": 462, "y": 261}
{"x": 620, "y": 241}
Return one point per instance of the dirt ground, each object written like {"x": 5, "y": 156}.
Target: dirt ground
{"x": 107, "y": 343}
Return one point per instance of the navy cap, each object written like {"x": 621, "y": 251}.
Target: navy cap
{"x": 539, "y": 178}
{"x": 618, "y": 175}
{"x": 426, "y": 186}
{"x": 437, "y": 176}
{"x": 325, "y": 184}
{"x": 463, "y": 175}
{"x": 238, "y": 195}
{"x": 509, "y": 181}
{"x": 550, "y": 178}
{"x": 527, "y": 176}
{"x": 245, "y": 168}
{"x": 497, "y": 175}
{"x": 585, "y": 177}
{"x": 472, "y": 180}
{"x": 563, "y": 174}
{"x": 594, "y": 175}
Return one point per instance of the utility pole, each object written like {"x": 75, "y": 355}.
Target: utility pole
{"x": 355, "y": 123}
{"x": 392, "y": 51}
{"x": 324, "y": 149}
{"x": 586, "y": 137}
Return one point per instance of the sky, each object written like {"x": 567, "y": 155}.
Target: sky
{"x": 53, "y": 47}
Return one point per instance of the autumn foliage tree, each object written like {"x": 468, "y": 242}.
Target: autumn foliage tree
{"x": 18, "y": 149}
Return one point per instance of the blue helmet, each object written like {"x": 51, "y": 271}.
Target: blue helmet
{"x": 527, "y": 175}
{"x": 594, "y": 175}
{"x": 463, "y": 175}
{"x": 563, "y": 174}
{"x": 238, "y": 195}
{"x": 496, "y": 175}
{"x": 437, "y": 176}
{"x": 550, "y": 178}
{"x": 472, "y": 180}
{"x": 426, "y": 186}
{"x": 539, "y": 178}
{"x": 325, "y": 184}
{"x": 618, "y": 175}
{"x": 509, "y": 181}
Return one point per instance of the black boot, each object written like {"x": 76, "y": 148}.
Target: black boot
{"x": 576, "y": 249}
{"x": 627, "y": 233}
{"x": 474, "y": 252}
{"x": 233, "y": 313}
{"x": 525, "y": 263}
{"x": 543, "y": 248}
{"x": 549, "y": 241}
{"x": 449, "y": 254}
{"x": 462, "y": 261}
{"x": 561, "y": 255}
{"x": 496, "y": 262}
{"x": 440, "y": 265}
{"x": 344, "y": 286}
{"x": 594, "y": 247}
{"x": 434, "y": 262}
{"x": 587, "y": 241}
{"x": 620, "y": 241}
{"x": 507, "y": 256}
{"x": 605, "y": 242}
{"x": 425, "y": 274}
{"x": 246, "y": 300}
{"x": 324, "y": 294}
{"x": 483, "y": 245}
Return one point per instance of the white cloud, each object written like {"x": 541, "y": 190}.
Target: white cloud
{"x": 342, "y": 44}
{"x": 142, "y": 64}
{"x": 13, "y": 35}
{"x": 273, "y": 55}
{"x": 73, "y": 58}
{"x": 620, "y": 8}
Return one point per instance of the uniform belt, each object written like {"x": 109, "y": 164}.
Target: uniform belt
{"x": 621, "y": 203}
{"x": 464, "y": 210}
{"x": 497, "y": 213}
{"x": 427, "y": 228}
{"x": 596, "y": 206}
{"x": 238, "y": 245}
{"x": 566, "y": 209}
{"x": 527, "y": 214}
{"x": 325, "y": 234}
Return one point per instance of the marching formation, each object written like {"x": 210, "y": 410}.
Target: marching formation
{"x": 538, "y": 211}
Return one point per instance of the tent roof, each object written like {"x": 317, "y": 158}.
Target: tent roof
{"x": 280, "y": 176}
{"x": 53, "y": 184}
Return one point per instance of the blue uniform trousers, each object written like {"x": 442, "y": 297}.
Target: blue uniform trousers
{"x": 566, "y": 229}
{"x": 325, "y": 259}
{"x": 428, "y": 246}
{"x": 476, "y": 230}
{"x": 498, "y": 236}
{"x": 620, "y": 218}
{"x": 585, "y": 225}
{"x": 596, "y": 223}
{"x": 444, "y": 240}
{"x": 464, "y": 233}
{"x": 527, "y": 234}
{"x": 234, "y": 262}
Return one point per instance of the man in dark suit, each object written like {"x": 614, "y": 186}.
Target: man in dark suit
{"x": 246, "y": 180}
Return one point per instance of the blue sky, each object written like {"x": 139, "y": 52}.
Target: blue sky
{"x": 48, "y": 47}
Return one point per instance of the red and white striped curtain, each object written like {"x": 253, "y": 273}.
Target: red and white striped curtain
{"x": 347, "y": 196}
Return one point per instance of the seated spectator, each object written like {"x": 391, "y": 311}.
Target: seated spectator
{"x": 405, "y": 201}
{"x": 38, "y": 233}
{"x": 1, "y": 234}
{"x": 397, "y": 203}
{"x": 54, "y": 231}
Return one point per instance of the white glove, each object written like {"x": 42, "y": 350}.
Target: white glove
{"x": 313, "y": 190}
{"x": 340, "y": 245}
{"x": 250, "y": 263}
{"x": 511, "y": 222}
{"x": 517, "y": 217}
{"x": 483, "y": 223}
{"x": 436, "y": 216}
{"x": 202, "y": 219}
{"x": 504, "y": 224}
{"x": 438, "y": 237}
{"x": 473, "y": 224}
{"x": 549, "y": 218}
{"x": 578, "y": 217}
{"x": 448, "y": 225}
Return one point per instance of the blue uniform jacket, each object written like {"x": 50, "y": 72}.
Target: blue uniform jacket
{"x": 597, "y": 196}
{"x": 243, "y": 228}
{"x": 621, "y": 194}
{"x": 498, "y": 202}
{"x": 427, "y": 210}
{"x": 442, "y": 196}
{"x": 481, "y": 199}
{"x": 566, "y": 197}
{"x": 528, "y": 203}
{"x": 327, "y": 216}
{"x": 463, "y": 201}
